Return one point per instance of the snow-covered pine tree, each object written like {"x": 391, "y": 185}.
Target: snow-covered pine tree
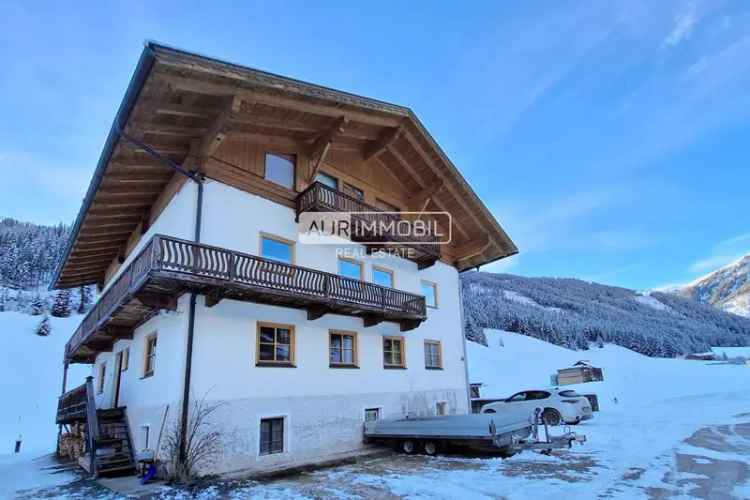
{"x": 44, "y": 328}
{"x": 61, "y": 306}
{"x": 37, "y": 306}
{"x": 84, "y": 299}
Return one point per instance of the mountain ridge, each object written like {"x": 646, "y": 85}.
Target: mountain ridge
{"x": 727, "y": 288}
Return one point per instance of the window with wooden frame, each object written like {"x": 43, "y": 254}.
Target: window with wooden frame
{"x": 271, "y": 435}
{"x": 350, "y": 268}
{"x": 393, "y": 352}
{"x": 382, "y": 276}
{"x": 433, "y": 355}
{"x": 125, "y": 359}
{"x": 276, "y": 248}
{"x": 100, "y": 379}
{"x": 149, "y": 356}
{"x": 279, "y": 169}
{"x": 275, "y": 345}
{"x": 353, "y": 191}
{"x": 429, "y": 290}
{"x": 342, "y": 349}
{"x": 327, "y": 180}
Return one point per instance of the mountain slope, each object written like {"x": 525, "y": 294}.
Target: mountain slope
{"x": 727, "y": 288}
{"x": 574, "y": 313}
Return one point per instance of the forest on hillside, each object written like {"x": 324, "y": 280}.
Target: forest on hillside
{"x": 575, "y": 313}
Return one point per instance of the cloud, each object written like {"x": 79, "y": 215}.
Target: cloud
{"x": 683, "y": 25}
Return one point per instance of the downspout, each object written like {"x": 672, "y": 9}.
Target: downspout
{"x": 191, "y": 335}
{"x": 463, "y": 343}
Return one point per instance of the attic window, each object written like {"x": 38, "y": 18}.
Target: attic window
{"x": 280, "y": 169}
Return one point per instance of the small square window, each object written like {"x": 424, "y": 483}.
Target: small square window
{"x": 382, "y": 277}
{"x": 393, "y": 352}
{"x": 372, "y": 414}
{"x": 275, "y": 344}
{"x": 276, "y": 248}
{"x": 280, "y": 169}
{"x": 350, "y": 269}
{"x": 432, "y": 354}
{"x": 271, "y": 435}
{"x": 429, "y": 290}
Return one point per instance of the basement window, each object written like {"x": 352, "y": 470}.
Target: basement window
{"x": 280, "y": 169}
{"x": 271, "y": 435}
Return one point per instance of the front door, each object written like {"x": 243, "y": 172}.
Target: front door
{"x": 118, "y": 378}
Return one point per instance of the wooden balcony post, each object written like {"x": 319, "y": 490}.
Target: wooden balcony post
{"x": 92, "y": 424}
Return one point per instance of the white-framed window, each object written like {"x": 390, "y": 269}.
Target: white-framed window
{"x": 280, "y": 169}
{"x": 350, "y": 268}
{"x": 382, "y": 276}
{"x": 429, "y": 290}
{"x": 372, "y": 414}
{"x": 433, "y": 356}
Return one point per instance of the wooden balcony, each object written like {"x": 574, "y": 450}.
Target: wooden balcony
{"x": 424, "y": 250}
{"x": 169, "y": 267}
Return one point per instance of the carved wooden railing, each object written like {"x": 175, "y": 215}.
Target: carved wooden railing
{"x": 236, "y": 269}
{"x": 72, "y": 405}
{"x": 321, "y": 198}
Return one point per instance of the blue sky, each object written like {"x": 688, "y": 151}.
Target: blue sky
{"x": 610, "y": 139}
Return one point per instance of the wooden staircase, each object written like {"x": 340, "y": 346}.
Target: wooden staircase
{"x": 113, "y": 449}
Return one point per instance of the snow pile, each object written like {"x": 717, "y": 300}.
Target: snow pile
{"x": 31, "y": 368}
{"x": 648, "y": 300}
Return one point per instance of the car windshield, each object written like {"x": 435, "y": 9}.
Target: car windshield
{"x": 569, "y": 394}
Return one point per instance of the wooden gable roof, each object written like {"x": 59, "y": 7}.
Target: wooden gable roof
{"x": 178, "y": 100}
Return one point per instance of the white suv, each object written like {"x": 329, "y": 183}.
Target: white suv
{"x": 558, "y": 405}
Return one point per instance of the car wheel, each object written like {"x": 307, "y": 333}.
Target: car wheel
{"x": 551, "y": 416}
{"x": 408, "y": 447}
{"x": 430, "y": 448}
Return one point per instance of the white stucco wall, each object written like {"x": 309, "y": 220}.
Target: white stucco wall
{"x": 323, "y": 407}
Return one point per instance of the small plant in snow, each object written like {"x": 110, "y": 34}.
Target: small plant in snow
{"x": 37, "y": 306}
{"x": 44, "y": 328}
{"x": 202, "y": 443}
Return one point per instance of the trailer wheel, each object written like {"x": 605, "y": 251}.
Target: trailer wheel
{"x": 430, "y": 448}
{"x": 408, "y": 446}
{"x": 551, "y": 416}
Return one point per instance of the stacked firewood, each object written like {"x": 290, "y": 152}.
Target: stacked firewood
{"x": 73, "y": 442}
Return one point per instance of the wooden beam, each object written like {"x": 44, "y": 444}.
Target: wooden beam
{"x": 471, "y": 249}
{"x": 216, "y": 134}
{"x": 175, "y": 130}
{"x": 317, "y": 311}
{"x": 333, "y": 110}
{"x": 372, "y": 320}
{"x": 320, "y": 146}
{"x": 419, "y": 201}
{"x": 387, "y": 137}
{"x": 181, "y": 110}
{"x": 214, "y": 297}
{"x": 118, "y": 332}
{"x": 157, "y": 301}
{"x": 409, "y": 324}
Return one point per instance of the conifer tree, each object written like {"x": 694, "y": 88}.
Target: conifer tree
{"x": 61, "y": 306}
{"x": 44, "y": 328}
{"x": 37, "y": 306}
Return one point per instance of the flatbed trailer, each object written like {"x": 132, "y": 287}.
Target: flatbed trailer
{"x": 504, "y": 433}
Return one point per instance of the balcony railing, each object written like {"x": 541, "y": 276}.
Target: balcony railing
{"x": 321, "y": 198}
{"x": 167, "y": 263}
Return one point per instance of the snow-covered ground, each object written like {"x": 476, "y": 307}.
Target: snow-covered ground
{"x": 678, "y": 429}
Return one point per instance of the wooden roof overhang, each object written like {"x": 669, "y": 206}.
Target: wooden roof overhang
{"x": 184, "y": 105}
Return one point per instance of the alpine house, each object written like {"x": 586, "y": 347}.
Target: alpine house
{"x": 190, "y": 229}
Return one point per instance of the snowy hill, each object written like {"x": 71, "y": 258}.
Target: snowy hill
{"x": 727, "y": 288}
{"x": 31, "y": 369}
{"x": 574, "y": 313}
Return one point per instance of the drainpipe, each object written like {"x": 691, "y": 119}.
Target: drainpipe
{"x": 463, "y": 343}
{"x": 191, "y": 334}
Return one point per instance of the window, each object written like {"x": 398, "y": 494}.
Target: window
{"x": 271, "y": 435}
{"x": 350, "y": 268}
{"x": 148, "y": 369}
{"x": 521, "y": 396}
{"x": 393, "y": 352}
{"x": 429, "y": 290}
{"x": 372, "y": 414}
{"x": 474, "y": 388}
{"x": 441, "y": 408}
{"x": 145, "y": 431}
{"x": 342, "y": 347}
{"x": 276, "y": 248}
{"x": 354, "y": 191}
{"x": 433, "y": 358}
{"x": 124, "y": 359}
{"x": 280, "y": 169}
{"x": 100, "y": 380}
{"x": 275, "y": 344}
{"x": 382, "y": 276}
{"x": 569, "y": 394}
{"x": 328, "y": 180}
